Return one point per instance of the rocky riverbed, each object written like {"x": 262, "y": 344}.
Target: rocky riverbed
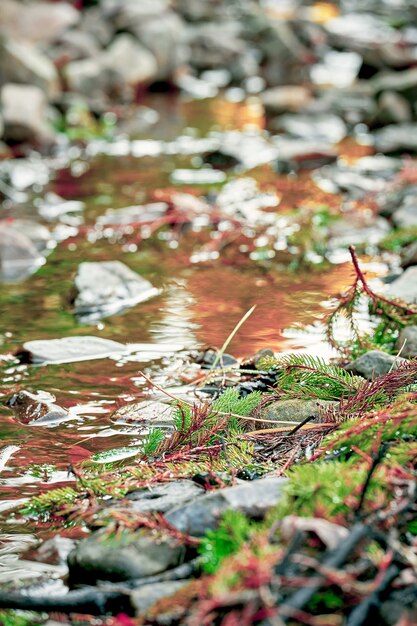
{"x": 208, "y": 271}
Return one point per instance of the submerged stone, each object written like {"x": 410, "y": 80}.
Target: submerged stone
{"x": 37, "y": 408}
{"x": 69, "y": 350}
{"x": 19, "y": 257}
{"x": 108, "y": 287}
{"x": 202, "y": 514}
{"x": 122, "y": 557}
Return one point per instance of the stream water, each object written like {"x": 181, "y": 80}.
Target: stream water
{"x": 199, "y": 303}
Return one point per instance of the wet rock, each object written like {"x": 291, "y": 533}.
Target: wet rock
{"x": 328, "y": 128}
{"x": 409, "y": 255}
{"x": 108, "y": 287}
{"x": 297, "y": 410}
{"x": 37, "y": 409}
{"x": 37, "y": 21}
{"x": 396, "y": 138}
{"x": 405, "y": 287}
{"x": 162, "y": 498}
{"x": 22, "y": 63}
{"x": 373, "y": 364}
{"x": 146, "y": 412}
{"x": 24, "y": 110}
{"x": 407, "y": 342}
{"x": 145, "y": 597}
{"x": 123, "y": 557}
{"x": 74, "y": 45}
{"x": 296, "y": 154}
{"x": 19, "y": 258}
{"x": 163, "y": 34}
{"x": 368, "y": 174}
{"x": 95, "y": 23}
{"x": 89, "y": 77}
{"x": 134, "y": 214}
{"x": 69, "y": 350}
{"x": 355, "y": 104}
{"x": 52, "y": 207}
{"x": 214, "y": 45}
{"x": 361, "y": 32}
{"x": 286, "y": 98}
{"x": 339, "y": 69}
{"x": 202, "y": 514}
{"x": 131, "y": 62}
{"x": 395, "y": 81}
{"x": 53, "y": 551}
{"x": 406, "y": 215}
{"x": 361, "y": 230}
{"x": 392, "y": 107}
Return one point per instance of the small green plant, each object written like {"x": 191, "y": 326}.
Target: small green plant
{"x": 233, "y": 531}
{"x": 152, "y": 441}
{"x": 12, "y": 618}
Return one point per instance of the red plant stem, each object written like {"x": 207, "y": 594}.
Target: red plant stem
{"x": 361, "y": 277}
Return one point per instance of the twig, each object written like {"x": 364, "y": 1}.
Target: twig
{"x": 232, "y": 334}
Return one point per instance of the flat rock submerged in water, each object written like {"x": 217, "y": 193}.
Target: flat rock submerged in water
{"x": 69, "y": 350}
{"x": 37, "y": 409}
{"x": 108, "y": 287}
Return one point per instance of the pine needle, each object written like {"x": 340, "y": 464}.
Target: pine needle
{"x": 230, "y": 337}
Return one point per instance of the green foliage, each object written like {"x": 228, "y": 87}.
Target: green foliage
{"x": 42, "y": 505}
{"x": 396, "y": 240}
{"x": 182, "y": 417}
{"x": 13, "y": 618}
{"x": 152, "y": 441}
{"x": 306, "y": 376}
{"x": 233, "y": 531}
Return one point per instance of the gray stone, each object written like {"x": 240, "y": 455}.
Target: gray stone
{"x": 74, "y": 45}
{"x": 327, "y": 127}
{"x": 396, "y": 138}
{"x": 285, "y": 98}
{"x": 162, "y": 498}
{"x": 88, "y": 77}
{"x": 373, "y": 364}
{"x": 406, "y": 215}
{"x": 407, "y": 342}
{"x": 405, "y": 287}
{"x": 37, "y": 409}
{"x": 145, "y": 597}
{"x": 70, "y": 349}
{"x": 409, "y": 255}
{"x": 395, "y": 81}
{"x": 36, "y": 21}
{"x": 129, "y": 60}
{"x": 147, "y": 411}
{"x": 165, "y": 36}
{"x": 127, "y": 556}
{"x": 393, "y": 107}
{"x": 22, "y": 63}
{"x": 108, "y": 287}
{"x": 95, "y": 23}
{"x": 297, "y": 410}
{"x": 19, "y": 258}
{"x": 24, "y": 113}
{"x": 204, "y": 513}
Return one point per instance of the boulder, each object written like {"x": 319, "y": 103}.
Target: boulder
{"x": 108, "y": 287}
{"x": 130, "y": 61}
{"x": 145, "y": 597}
{"x": 405, "y": 287}
{"x": 24, "y": 113}
{"x": 297, "y": 410}
{"x": 162, "y": 498}
{"x": 406, "y": 215}
{"x": 22, "y": 63}
{"x": 407, "y": 342}
{"x": 373, "y": 364}
{"x": 396, "y": 138}
{"x": 36, "y": 21}
{"x": 202, "y": 514}
{"x": 122, "y": 557}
